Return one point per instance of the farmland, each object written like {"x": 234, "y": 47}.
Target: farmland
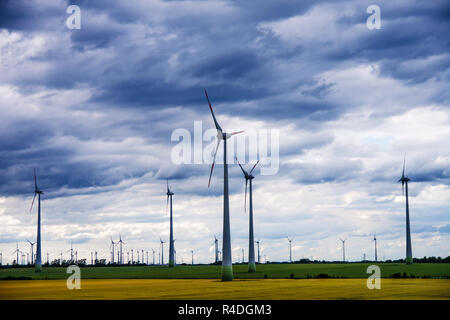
{"x": 206, "y": 289}
{"x": 269, "y": 271}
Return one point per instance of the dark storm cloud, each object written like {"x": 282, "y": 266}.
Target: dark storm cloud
{"x": 145, "y": 57}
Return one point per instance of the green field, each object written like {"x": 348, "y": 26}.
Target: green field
{"x": 271, "y": 271}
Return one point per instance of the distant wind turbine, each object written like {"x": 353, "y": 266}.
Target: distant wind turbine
{"x": 17, "y": 251}
{"x": 38, "y": 262}
{"x": 216, "y": 249}
{"x": 112, "y": 252}
{"x": 375, "y": 240}
{"x": 71, "y": 252}
{"x": 171, "y": 244}
{"x": 404, "y": 180}
{"x": 32, "y": 251}
{"x": 120, "y": 248}
{"x": 343, "y": 249}
{"x": 257, "y": 242}
{"x": 290, "y": 249}
{"x": 251, "y": 242}
{"x": 227, "y": 267}
{"x": 162, "y": 250}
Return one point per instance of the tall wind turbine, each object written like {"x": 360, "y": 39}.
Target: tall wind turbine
{"x": 162, "y": 250}
{"x": 153, "y": 252}
{"x": 132, "y": 257}
{"x": 171, "y": 245}
{"x": 404, "y": 180}
{"x": 38, "y": 262}
{"x": 375, "y": 240}
{"x": 290, "y": 249}
{"x": 192, "y": 252}
{"x": 227, "y": 267}
{"x": 251, "y": 243}
{"x": 343, "y": 249}
{"x": 32, "y": 251}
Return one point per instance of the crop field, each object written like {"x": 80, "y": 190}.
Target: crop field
{"x": 206, "y": 289}
{"x": 271, "y": 281}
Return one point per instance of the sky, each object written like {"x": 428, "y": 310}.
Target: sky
{"x": 94, "y": 110}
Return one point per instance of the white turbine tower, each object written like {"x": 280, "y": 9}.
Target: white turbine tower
{"x": 343, "y": 249}
{"x": 120, "y": 248}
{"x": 112, "y": 252}
{"x": 38, "y": 262}
{"x": 290, "y": 249}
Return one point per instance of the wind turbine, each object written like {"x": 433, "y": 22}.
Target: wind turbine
{"x": 32, "y": 251}
{"x": 192, "y": 253}
{"x": 227, "y": 267}
{"x": 17, "y": 251}
{"x": 71, "y": 252}
{"x": 171, "y": 245}
{"x": 343, "y": 249}
{"x": 132, "y": 257}
{"x": 38, "y": 262}
{"x": 404, "y": 180}
{"x": 216, "y": 249}
{"x": 142, "y": 256}
{"x": 251, "y": 245}
{"x": 257, "y": 242}
{"x": 162, "y": 250}
{"x": 375, "y": 240}
{"x": 120, "y": 248}
{"x": 290, "y": 249}
{"x": 112, "y": 252}
{"x": 153, "y": 252}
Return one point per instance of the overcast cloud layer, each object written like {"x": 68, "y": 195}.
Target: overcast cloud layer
{"x": 94, "y": 109}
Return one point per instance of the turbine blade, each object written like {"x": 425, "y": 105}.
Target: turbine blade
{"x": 245, "y": 173}
{"x": 167, "y": 205}
{"x": 31, "y": 208}
{"x": 214, "y": 161}
{"x": 234, "y": 133}
{"x": 254, "y": 166}
{"x": 212, "y": 112}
